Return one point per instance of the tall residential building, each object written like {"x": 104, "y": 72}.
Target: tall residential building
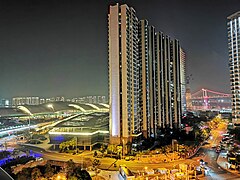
{"x": 101, "y": 99}
{"x": 175, "y": 85}
{"x": 17, "y": 101}
{"x": 159, "y": 81}
{"x": 42, "y": 101}
{"x": 144, "y": 94}
{"x": 188, "y": 98}
{"x": 5, "y": 103}
{"x": 92, "y": 99}
{"x": 145, "y": 77}
{"x": 183, "y": 79}
{"x": 234, "y": 63}
{"x": 123, "y": 73}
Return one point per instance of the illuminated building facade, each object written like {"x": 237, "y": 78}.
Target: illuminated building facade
{"x": 234, "y": 60}
{"x": 145, "y": 77}
{"x": 159, "y": 80}
{"x": 167, "y": 89}
{"x": 183, "y": 79}
{"x": 17, "y": 101}
{"x": 144, "y": 86}
{"x": 5, "y": 103}
{"x": 123, "y": 73}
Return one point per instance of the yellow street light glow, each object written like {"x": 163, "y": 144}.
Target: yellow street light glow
{"x": 50, "y": 106}
{"x": 78, "y": 133}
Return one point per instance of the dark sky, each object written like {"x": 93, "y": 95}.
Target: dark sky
{"x": 59, "y": 47}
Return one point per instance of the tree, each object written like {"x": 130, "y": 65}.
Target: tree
{"x": 15, "y": 153}
{"x": 28, "y": 153}
{"x": 102, "y": 148}
{"x": 96, "y": 163}
{"x": 36, "y": 173}
{"x": 70, "y": 167}
{"x": 72, "y": 178}
{"x": 49, "y": 171}
{"x": 71, "y": 144}
{"x": 84, "y": 175}
{"x": 24, "y": 174}
{"x": 79, "y": 174}
{"x": 62, "y": 146}
{"x": 112, "y": 148}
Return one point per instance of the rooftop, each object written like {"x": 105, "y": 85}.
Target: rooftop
{"x": 236, "y": 14}
{"x": 52, "y": 107}
{"x": 84, "y": 125}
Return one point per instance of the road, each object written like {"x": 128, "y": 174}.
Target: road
{"x": 4, "y": 175}
{"x": 209, "y": 155}
{"x": 106, "y": 162}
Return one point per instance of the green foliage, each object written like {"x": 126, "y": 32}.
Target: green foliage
{"x": 49, "y": 171}
{"x": 80, "y": 174}
{"x": 70, "y": 167}
{"x": 112, "y": 149}
{"x": 72, "y": 178}
{"x": 96, "y": 163}
{"x": 24, "y": 174}
{"x": 36, "y": 173}
{"x": 68, "y": 145}
{"x": 20, "y": 160}
{"x": 4, "y": 154}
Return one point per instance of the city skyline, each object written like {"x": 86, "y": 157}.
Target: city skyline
{"x": 51, "y": 47}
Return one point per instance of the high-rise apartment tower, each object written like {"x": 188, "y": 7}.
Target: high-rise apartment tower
{"x": 234, "y": 63}
{"x": 123, "y": 73}
{"x": 144, "y": 77}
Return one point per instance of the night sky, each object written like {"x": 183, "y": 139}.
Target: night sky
{"x": 59, "y": 47}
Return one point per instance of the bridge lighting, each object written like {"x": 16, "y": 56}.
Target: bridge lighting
{"x": 207, "y": 99}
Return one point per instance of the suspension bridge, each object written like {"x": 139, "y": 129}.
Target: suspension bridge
{"x": 206, "y": 99}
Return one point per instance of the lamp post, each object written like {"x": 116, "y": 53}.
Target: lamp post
{"x": 29, "y": 124}
{"x": 122, "y": 147}
{"x": 50, "y": 106}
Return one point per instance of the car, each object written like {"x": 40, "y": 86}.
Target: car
{"x": 233, "y": 166}
{"x": 39, "y": 159}
{"x": 198, "y": 172}
{"x": 127, "y": 158}
{"x": 12, "y": 167}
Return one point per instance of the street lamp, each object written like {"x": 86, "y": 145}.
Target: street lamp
{"x": 50, "y": 106}
{"x": 122, "y": 147}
